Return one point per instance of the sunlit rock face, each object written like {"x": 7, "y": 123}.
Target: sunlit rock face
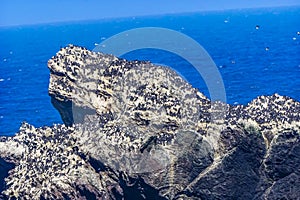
{"x": 134, "y": 130}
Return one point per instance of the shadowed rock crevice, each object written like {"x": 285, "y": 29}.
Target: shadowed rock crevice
{"x": 5, "y": 167}
{"x": 136, "y": 188}
{"x": 134, "y": 130}
{"x": 65, "y": 110}
{"x": 69, "y": 112}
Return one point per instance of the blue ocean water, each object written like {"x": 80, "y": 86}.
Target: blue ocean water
{"x": 257, "y": 52}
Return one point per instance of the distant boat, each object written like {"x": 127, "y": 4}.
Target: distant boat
{"x": 257, "y": 27}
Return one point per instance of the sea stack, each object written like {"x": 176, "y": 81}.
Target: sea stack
{"x": 135, "y": 130}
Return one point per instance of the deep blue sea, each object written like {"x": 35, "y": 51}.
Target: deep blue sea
{"x": 257, "y": 52}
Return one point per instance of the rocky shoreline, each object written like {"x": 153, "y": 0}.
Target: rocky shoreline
{"x": 134, "y": 130}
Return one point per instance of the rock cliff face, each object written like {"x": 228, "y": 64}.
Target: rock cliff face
{"x": 134, "y": 130}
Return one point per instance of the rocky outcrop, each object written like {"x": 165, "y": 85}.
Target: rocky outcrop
{"x": 134, "y": 130}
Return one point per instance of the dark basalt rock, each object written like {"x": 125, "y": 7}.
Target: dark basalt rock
{"x": 134, "y": 130}
{"x": 280, "y": 169}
